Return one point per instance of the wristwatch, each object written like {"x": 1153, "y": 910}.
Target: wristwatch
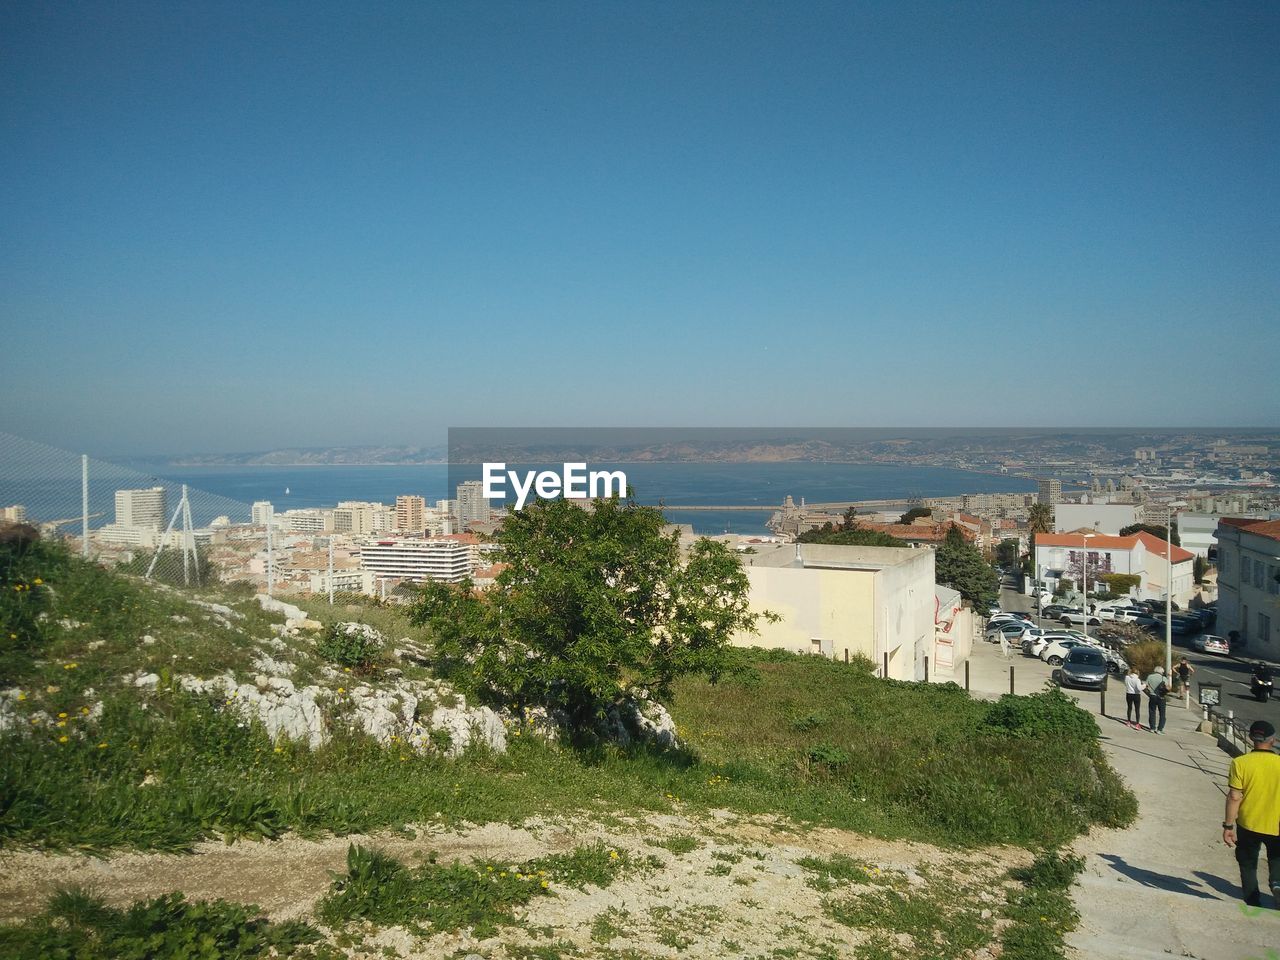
{"x": 1228, "y": 826}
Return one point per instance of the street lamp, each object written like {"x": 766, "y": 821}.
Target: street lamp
{"x": 1084, "y": 578}
{"x": 1168, "y": 599}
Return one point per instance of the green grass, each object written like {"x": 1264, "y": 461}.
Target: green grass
{"x": 892, "y": 759}
{"x": 79, "y": 926}
{"x": 435, "y": 898}
{"x": 1040, "y": 911}
{"x": 830, "y": 872}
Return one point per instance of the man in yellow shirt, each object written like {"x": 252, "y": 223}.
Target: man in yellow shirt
{"x": 1253, "y": 812}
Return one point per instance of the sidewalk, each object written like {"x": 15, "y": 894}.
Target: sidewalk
{"x": 1167, "y": 885}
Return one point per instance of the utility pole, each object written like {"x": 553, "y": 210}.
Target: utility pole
{"x": 1168, "y": 602}
{"x": 84, "y": 505}
{"x": 331, "y": 571}
{"x": 271, "y": 561}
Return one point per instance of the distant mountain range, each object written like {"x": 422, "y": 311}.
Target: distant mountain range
{"x": 318, "y": 456}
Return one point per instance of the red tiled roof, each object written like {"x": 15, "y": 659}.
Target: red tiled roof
{"x": 1103, "y": 541}
{"x": 1259, "y": 528}
{"x": 931, "y": 533}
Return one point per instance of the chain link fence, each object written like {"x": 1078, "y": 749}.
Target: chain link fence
{"x": 145, "y": 523}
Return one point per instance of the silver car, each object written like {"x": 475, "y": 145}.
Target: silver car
{"x": 1083, "y": 666}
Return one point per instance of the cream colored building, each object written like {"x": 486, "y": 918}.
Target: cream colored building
{"x": 873, "y": 601}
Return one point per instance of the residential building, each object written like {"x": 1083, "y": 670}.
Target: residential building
{"x": 1061, "y": 556}
{"x": 1249, "y": 583}
{"x": 362, "y": 518}
{"x": 1198, "y": 532}
{"x": 14, "y": 514}
{"x": 449, "y": 559}
{"x": 411, "y": 513}
{"x": 1050, "y": 491}
{"x": 473, "y": 506}
{"x": 346, "y": 579}
{"x": 141, "y": 508}
{"x": 305, "y": 520}
{"x": 875, "y": 601}
{"x": 1108, "y": 518}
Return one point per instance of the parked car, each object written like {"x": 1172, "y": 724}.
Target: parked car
{"x": 1079, "y": 616}
{"x": 1014, "y": 636}
{"x": 1034, "y": 645}
{"x": 1007, "y": 617}
{"x": 1209, "y": 643}
{"x": 1183, "y": 626}
{"x": 1083, "y": 666}
{"x": 1139, "y": 618}
{"x": 1054, "y": 610}
{"x": 1056, "y": 651}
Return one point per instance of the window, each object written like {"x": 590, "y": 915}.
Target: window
{"x": 1273, "y": 579}
{"x": 1244, "y": 571}
{"x": 1264, "y": 628}
{"x": 1259, "y": 571}
{"x": 1224, "y": 561}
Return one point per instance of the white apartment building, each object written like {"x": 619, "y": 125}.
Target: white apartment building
{"x": 1108, "y": 518}
{"x": 261, "y": 512}
{"x": 437, "y": 558}
{"x": 14, "y": 514}
{"x": 141, "y": 508}
{"x": 1249, "y": 584}
{"x": 345, "y": 580}
{"x": 1061, "y": 556}
{"x": 305, "y": 520}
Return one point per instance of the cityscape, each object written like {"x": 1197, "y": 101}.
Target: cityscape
{"x": 607, "y": 481}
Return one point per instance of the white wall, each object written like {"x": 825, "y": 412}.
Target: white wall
{"x": 1107, "y": 518}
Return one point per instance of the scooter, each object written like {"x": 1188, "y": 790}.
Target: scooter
{"x": 1261, "y": 689}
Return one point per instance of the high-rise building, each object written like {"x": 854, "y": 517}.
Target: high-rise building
{"x": 473, "y": 506}
{"x": 361, "y": 518}
{"x": 442, "y": 558}
{"x": 15, "y": 514}
{"x": 261, "y": 513}
{"x": 411, "y": 513}
{"x": 141, "y": 508}
{"x": 1050, "y": 492}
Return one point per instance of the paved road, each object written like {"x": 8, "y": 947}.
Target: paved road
{"x": 1232, "y": 674}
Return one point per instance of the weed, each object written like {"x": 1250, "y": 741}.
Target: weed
{"x": 678, "y": 844}
{"x": 77, "y": 924}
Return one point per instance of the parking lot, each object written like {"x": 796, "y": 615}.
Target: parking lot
{"x": 1231, "y": 674}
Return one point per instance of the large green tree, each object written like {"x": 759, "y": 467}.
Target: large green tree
{"x": 595, "y": 602}
{"x": 850, "y": 537}
{"x": 961, "y": 566}
{"x": 1155, "y": 530}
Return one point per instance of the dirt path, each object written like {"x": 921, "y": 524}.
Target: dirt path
{"x": 741, "y": 889}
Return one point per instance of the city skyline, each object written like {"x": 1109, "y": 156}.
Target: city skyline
{"x": 236, "y": 228}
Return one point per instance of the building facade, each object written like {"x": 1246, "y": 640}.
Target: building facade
{"x": 1063, "y": 556}
{"x": 141, "y": 508}
{"x": 439, "y": 558}
{"x": 874, "y": 601}
{"x": 1249, "y": 583}
{"x": 1050, "y": 491}
{"x": 411, "y": 513}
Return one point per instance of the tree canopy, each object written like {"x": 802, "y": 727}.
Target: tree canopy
{"x": 595, "y": 601}
{"x": 847, "y": 533}
{"x": 914, "y": 514}
{"x": 960, "y": 566}
{"x": 1154, "y": 529}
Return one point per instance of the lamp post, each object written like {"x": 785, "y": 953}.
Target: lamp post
{"x": 1168, "y": 601}
{"x": 1084, "y": 579}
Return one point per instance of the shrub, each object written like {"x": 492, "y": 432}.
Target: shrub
{"x": 350, "y": 645}
{"x": 1046, "y": 714}
{"x": 1146, "y": 656}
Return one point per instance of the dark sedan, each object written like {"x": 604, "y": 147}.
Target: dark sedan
{"x": 1084, "y": 667}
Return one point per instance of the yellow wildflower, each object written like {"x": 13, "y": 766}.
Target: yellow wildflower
{"x": 342, "y": 689}
{"x": 84, "y": 710}
{"x": 102, "y": 746}
{"x": 62, "y": 723}
{"x": 545, "y": 884}
{"x": 62, "y": 739}
{"x": 70, "y": 666}
{"x": 62, "y": 716}
{"x": 37, "y": 581}
{"x": 22, "y": 696}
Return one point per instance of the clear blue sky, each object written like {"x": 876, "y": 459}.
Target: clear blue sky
{"x": 236, "y": 226}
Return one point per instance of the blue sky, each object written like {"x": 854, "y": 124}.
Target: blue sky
{"x": 239, "y": 226}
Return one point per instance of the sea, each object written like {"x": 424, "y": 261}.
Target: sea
{"x": 669, "y": 484}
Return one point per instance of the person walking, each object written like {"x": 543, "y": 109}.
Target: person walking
{"x": 1156, "y": 688}
{"x": 1133, "y": 698}
{"x": 1252, "y": 819}
{"x": 1004, "y": 644}
{"x": 1182, "y": 676}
